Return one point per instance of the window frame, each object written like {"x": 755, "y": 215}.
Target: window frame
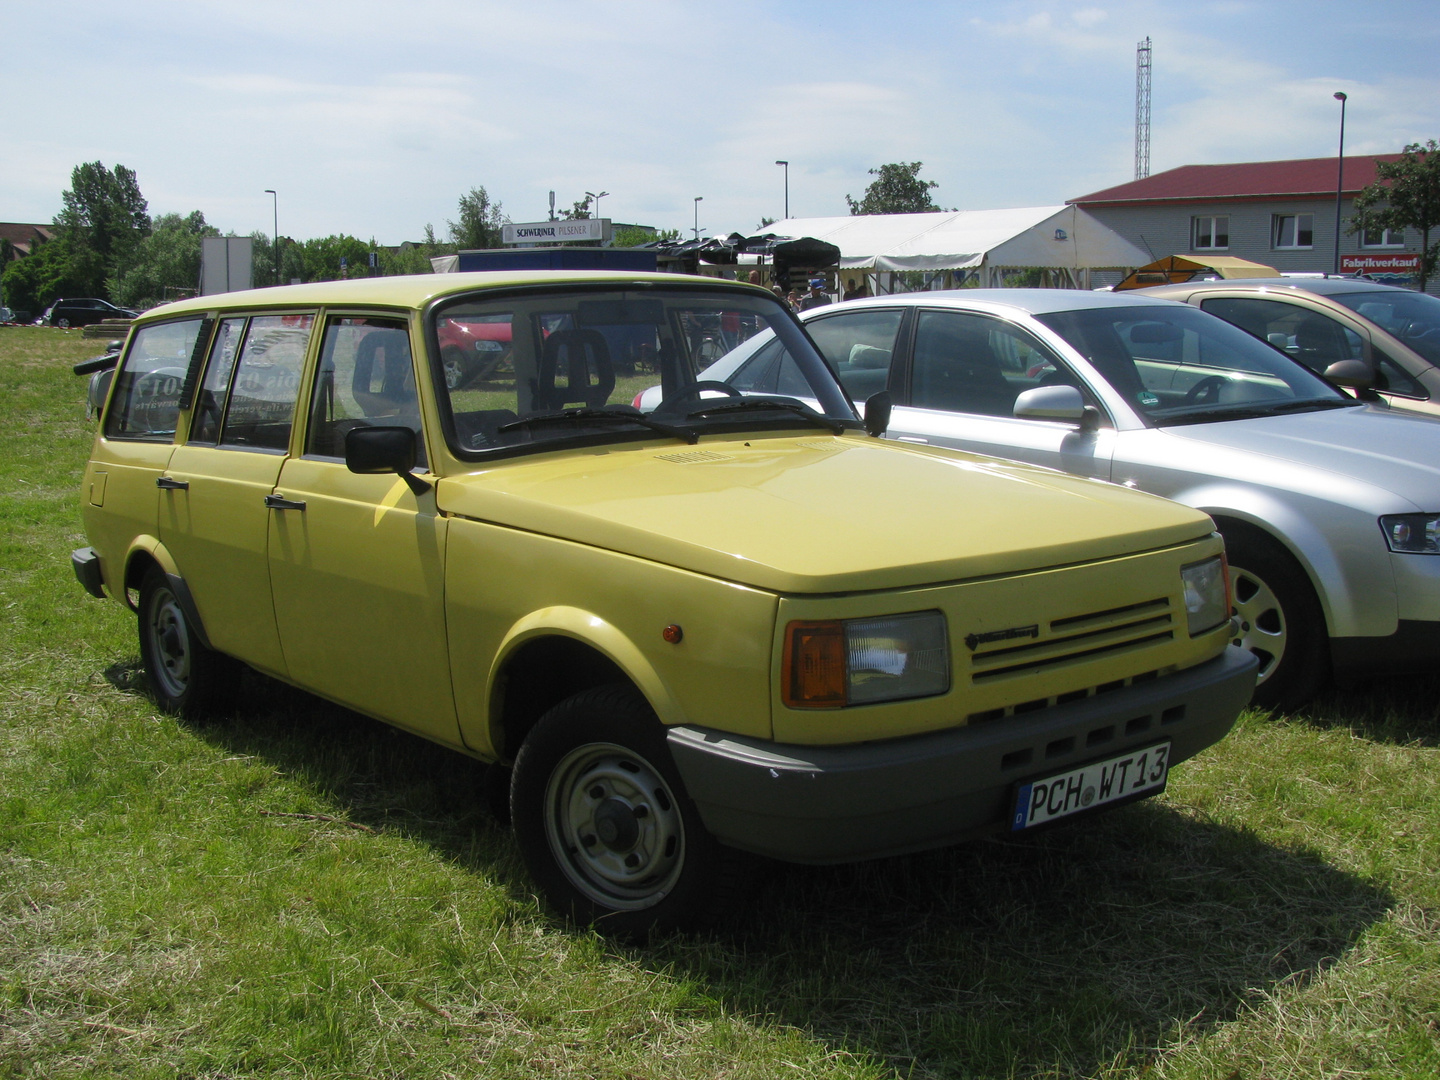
{"x": 1387, "y": 239}
{"x": 1277, "y": 231}
{"x": 1214, "y": 232}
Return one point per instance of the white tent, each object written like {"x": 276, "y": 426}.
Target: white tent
{"x": 980, "y": 243}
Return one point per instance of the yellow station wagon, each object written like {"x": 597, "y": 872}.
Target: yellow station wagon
{"x": 737, "y": 623}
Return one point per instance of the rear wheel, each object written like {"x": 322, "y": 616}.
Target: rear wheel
{"x": 605, "y": 825}
{"x": 185, "y": 677}
{"x": 457, "y": 372}
{"x": 1281, "y": 620}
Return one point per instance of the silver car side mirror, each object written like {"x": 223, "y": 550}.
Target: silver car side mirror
{"x": 1056, "y": 403}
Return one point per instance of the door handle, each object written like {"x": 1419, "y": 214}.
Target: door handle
{"x": 167, "y": 483}
{"x": 279, "y": 502}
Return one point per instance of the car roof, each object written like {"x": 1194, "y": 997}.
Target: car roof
{"x": 417, "y": 290}
{"x": 1321, "y": 286}
{"x": 1033, "y": 301}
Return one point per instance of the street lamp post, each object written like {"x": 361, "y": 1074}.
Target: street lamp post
{"x": 787, "y": 187}
{"x": 698, "y": 199}
{"x": 597, "y": 198}
{"x": 1339, "y": 178}
{"x": 275, "y": 236}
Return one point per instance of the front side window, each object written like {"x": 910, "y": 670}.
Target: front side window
{"x": 266, "y": 382}
{"x": 1293, "y": 231}
{"x": 965, "y": 362}
{"x": 365, "y": 379}
{"x": 549, "y": 366}
{"x": 1413, "y": 317}
{"x": 1177, "y": 365}
{"x": 859, "y": 346}
{"x": 1210, "y": 232}
{"x": 146, "y": 401}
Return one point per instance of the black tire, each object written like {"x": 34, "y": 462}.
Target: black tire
{"x": 605, "y": 826}
{"x": 458, "y": 371}
{"x": 185, "y": 677}
{"x": 1281, "y": 620}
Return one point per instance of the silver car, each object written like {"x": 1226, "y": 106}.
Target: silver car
{"x": 1330, "y": 507}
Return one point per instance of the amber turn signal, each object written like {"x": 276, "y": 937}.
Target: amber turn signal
{"x": 812, "y": 671}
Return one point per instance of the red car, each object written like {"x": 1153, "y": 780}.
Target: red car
{"x": 471, "y": 349}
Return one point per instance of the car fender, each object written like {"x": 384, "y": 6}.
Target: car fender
{"x": 1357, "y": 595}
{"x": 601, "y": 635}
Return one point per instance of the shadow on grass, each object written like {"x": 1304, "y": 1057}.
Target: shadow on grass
{"x": 1056, "y": 954}
{"x": 1404, "y": 709}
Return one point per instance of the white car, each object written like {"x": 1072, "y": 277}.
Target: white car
{"x": 1330, "y": 507}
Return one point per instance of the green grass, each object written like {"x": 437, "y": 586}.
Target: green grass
{"x": 296, "y": 891}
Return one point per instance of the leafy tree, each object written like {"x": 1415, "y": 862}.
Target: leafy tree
{"x": 322, "y": 257}
{"x": 899, "y": 190}
{"x": 1406, "y": 195}
{"x": 480, "y": 221}
{"x": 103, "y": 219}
{"x": 46, "y": 274}
{"x": 165, "y": 265}
{"x": 765, "y": 223}
{"x": 579, "y": 212}
{"x": 634, "y": 236}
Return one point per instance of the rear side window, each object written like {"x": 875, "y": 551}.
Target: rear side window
{"x": 260, "y": 405}
{"x": 146, "y": 400}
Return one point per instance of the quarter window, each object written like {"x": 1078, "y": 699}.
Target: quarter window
{"x": 146, "y": 401}
{"x": 1210, "y": 233}
{"x": 1293, "y": 231}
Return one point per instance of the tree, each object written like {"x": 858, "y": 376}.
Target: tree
{"x": 480, "y": 221}
{"x": 103, "y": 219}
{"x": 580, "y": 212}
{"x": 31, "y": 284}
{"x": 1406, "y": 195}
{"x": 635, "y": 235}
{"x": 165, "y": 265}
{"x": 899, "y": 190}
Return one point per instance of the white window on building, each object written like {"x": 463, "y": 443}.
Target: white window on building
{"x": 1382, "y": 238}
{"x": 1293, "y": 231}
{"x": 1211, "y": 233}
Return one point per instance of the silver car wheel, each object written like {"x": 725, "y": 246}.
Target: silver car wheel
{"x": 1263, "y": 629}
{"x": 169, "y": 642}
{"x": 614, "y": 826}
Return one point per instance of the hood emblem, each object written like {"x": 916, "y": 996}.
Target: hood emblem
{"x": 974, "y": 641}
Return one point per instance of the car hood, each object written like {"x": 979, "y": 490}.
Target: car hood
{"x": 820, "y": 514}
{"x": 1392, "y": 451}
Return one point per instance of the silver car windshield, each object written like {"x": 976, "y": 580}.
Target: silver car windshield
{"x": 1176, "y": 365}
{"x": 1412, "y": 317}
{"x": 529, "y": 369}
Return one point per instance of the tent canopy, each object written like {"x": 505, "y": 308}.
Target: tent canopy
{"x": 1059, "y": 237}
{"x": 1175, "y": 269}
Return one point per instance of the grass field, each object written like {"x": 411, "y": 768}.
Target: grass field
{"x": 296, "y": 891}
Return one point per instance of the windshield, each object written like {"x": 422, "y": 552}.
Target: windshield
{"x": 1412, "y": 317}
{"x": 1176, "y": 365}
{"x": 528, "y": 369}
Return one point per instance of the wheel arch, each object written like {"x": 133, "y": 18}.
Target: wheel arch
{"x": 554, "y": 654}
{"x": 147, "y": 552}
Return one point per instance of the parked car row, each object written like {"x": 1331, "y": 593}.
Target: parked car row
{"x": 1330, "y": 506}
{"x": 740, "y": 622}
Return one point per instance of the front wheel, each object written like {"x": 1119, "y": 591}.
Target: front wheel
{"x": 185, "y": 677}
{"x": 604, "y": 823}
{"x": 1281, "y": 620}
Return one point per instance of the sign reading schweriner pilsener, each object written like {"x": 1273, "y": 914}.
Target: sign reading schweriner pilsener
{"x": 1380, "y": 264}
{"x": 555, "y": 232}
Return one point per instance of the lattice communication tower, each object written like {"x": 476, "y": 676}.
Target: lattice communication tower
{"x": 1142, "y": 109}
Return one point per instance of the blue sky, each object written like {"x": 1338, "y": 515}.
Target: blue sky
{"x": 372, "y": 118}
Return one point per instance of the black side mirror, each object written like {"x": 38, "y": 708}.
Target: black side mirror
{"x": 373, "y": 450}
{"x": 877, "y": 414}
{"x": 1356, "y": 374}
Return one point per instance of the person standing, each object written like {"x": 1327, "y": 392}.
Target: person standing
{"x": 816, "y": 297}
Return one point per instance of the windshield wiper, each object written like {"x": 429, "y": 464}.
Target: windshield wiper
{"x": 799, "y": 408}
{"x": 567, "y": 416}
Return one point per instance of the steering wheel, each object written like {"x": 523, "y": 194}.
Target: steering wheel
{"x": 693, "y": 393}
{"x": 1206, "y": 391}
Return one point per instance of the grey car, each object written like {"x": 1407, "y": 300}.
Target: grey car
{"x": 1324, "y": 320}
{"x": 1330, "y": 507}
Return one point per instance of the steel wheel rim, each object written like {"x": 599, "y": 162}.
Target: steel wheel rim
{"x": 1263, "y": 627}
{"x": 613, "y": 824}
{"x": 169, "y": 636}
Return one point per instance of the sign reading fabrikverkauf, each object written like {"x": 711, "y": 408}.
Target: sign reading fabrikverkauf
{"x": 555, "y": 232}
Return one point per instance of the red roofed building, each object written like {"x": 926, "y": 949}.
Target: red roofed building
{"x": 23, "y": 236}
{"x": 1280, "y": 213}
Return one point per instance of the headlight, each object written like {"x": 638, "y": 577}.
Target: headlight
{"x": 835, "y": 663}
{"x": 1207, "y": 594}
{"x": 1414, "y": 534}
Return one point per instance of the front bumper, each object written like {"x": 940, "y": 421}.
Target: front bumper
{"x": 826, "y": 804}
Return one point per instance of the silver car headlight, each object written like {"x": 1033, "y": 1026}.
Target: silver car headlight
{"x": 1413, "y": 534}
{"x": 842, "y": 662}
{"x": 1207, "y": 594}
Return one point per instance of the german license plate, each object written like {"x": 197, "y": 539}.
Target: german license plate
{"x": 1140, "y": 772}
